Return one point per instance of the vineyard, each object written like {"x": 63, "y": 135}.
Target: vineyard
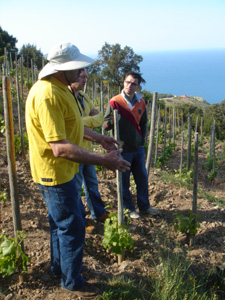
{"x": 168, "y": 258}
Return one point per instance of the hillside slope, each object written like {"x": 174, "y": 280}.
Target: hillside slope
{"x": 181, "y": 100}
{"x": 151, "y": 235}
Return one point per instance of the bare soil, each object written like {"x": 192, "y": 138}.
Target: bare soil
{"x": 207, "y": 252}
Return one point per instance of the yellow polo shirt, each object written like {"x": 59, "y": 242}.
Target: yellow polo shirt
{"x": 52, "y": 114}
{"x": 89, "y": 121}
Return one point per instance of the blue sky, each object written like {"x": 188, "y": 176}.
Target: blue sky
{"x": 143, "y": 25}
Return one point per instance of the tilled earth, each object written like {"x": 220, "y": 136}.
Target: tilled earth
{"x": 148, "y": 233}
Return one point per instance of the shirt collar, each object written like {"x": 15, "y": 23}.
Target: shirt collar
{"x": 137, "y": 97}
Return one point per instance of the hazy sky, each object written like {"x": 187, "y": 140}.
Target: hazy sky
{"x": 143, "y": 25}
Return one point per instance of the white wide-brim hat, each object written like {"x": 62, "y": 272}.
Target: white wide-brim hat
{"x": 65, "y": 57}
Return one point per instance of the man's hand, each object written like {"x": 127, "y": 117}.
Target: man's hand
{"x": 94, "y": 112}
{"x": 112, "y": 161}
{"x": 108, "y": 143}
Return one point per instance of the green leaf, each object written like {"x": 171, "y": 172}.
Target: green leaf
{"x": 8, "y": 247}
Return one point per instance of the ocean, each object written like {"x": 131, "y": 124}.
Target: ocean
{"x": 198, "y": 73}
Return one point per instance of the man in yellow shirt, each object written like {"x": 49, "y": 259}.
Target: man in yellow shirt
{"x": 86, "y": 176}
{"x": 55, "y": 133}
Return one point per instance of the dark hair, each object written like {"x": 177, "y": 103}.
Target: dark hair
{"x": 135, "y": 75}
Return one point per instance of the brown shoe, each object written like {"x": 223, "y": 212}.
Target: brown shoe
{"x": 89, "y": 228}
{"x": 87, "y": 291}
{"x": 103, "y": 217}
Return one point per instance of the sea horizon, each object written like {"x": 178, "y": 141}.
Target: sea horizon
{"x": 197, "y": 73}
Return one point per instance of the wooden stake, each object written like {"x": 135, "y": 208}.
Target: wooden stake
{"x": 21, "y": 75}
{"x": 20, "y": 123}
{"x": 11, "y": 154}
{"x": 118, "y": 180}
{"x": 32, "y": 70}
{"x": 182, "y": 151}
{"x": 201, "y": 128}
{"x": 211, "y": 143}
{"x": 157, "y": 139}
{"x": 189, "y": 143}
{"x": 165, "y": 131}
{"x": 196, "y": 125}
{"x": 195, "y": 182}
{"x": 174, "y": 124}
{"x": 152, "y": 133}
{"x": 103, "y": 129}
{"x": 213, "y": 148}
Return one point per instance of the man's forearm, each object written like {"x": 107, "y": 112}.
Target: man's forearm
{"x": 93, "y": 121}
{"x": 67, "y": 150}
{"x": 92, "y": 135}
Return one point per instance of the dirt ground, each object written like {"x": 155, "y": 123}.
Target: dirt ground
{"x": 98, "y": 264}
